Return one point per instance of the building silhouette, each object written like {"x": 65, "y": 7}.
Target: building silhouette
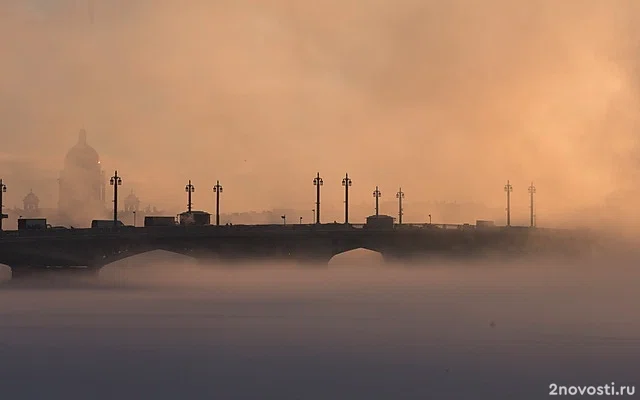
{"x": 131, "y": 208}
{"x": 83, "y": 194}
{"x": 31, "y": 205}
{"x": 82, "y": 184}
{"x": 131, "y": 203}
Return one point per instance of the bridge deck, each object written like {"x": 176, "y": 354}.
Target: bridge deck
{"x": 97, "y": 247}
{"x": 234, "y": 230}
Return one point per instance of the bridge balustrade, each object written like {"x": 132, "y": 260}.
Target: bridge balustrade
{"x": 180, "y": 230}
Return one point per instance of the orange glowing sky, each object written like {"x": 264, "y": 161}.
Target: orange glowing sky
{"x": 448, "y": 99}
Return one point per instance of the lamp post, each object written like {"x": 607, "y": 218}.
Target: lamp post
{"x": 3, "y": 189}
{"x": 346, "y": 182}
{"x": 115, "y": 181}
{"x": 508, "y": 188}
{"x": 189, "y": 189}
{"x": 532, "y": 190}
{"x": 217, "y": 189}
{"x": 400, "y": 196}
{"x": 317, "y": 182}
{"x": 377, "y": 194}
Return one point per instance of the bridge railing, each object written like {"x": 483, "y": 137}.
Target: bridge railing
{"x": 433, "y": 226}
{"x": 171, "y": 230}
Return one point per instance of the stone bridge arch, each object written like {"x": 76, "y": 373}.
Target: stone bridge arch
{"x": 357, "y": 256}
{"x": 133, "y": 254}
{"x": 147, "y": 264}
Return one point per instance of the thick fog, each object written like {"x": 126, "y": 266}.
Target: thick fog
{"x": 448, "y": 99}
{"x": 162, "y": 327}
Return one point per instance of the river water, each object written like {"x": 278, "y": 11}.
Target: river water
{"x": 164, "y": 328}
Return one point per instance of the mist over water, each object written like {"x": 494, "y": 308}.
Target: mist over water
{"x": 164, "y": 328}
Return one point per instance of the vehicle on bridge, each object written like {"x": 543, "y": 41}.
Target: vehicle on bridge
{"x": 199, "y": 218}
{"x": 105, "y": 223}
{"x": 32, "y": 223}
{"x": 151, "y": 221}
{"x": 379, "y": 222}
{"x": 36, "y": 225}
{"x": 485, "y": 224}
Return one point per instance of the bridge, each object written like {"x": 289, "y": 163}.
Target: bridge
{"x": 28, "y": 252}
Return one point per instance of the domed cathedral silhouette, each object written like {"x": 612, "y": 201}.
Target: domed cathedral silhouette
{"x": 82, "y": 185}
{"x": 31, "y": 205}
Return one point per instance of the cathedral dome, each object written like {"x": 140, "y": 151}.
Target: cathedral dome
{"x": 132, "y": 198}
{"x": 131, "y": 202}
{"x": 30, "y": 202}
{"x": 31, "y": 198}
{"x": 82, "y": 155}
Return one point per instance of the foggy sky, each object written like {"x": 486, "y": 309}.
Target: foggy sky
{"x": 448, "y": 99}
